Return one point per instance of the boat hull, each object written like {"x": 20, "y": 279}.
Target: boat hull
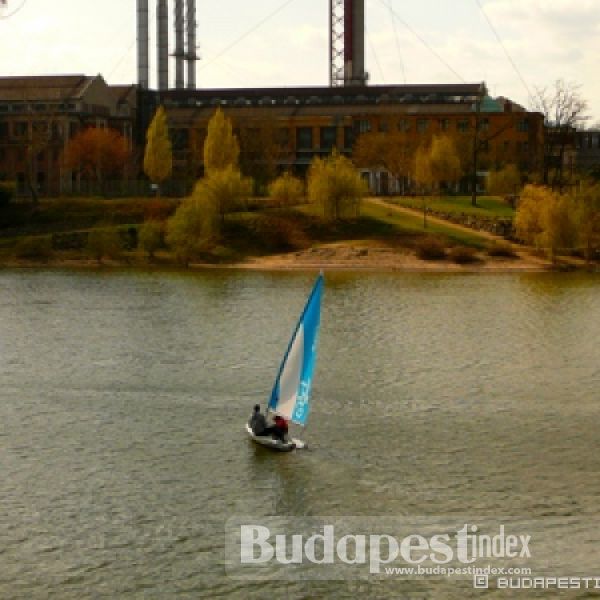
{"x": 269, "y": 442}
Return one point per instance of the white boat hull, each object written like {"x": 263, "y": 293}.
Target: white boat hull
{"x": 269, "y": 442}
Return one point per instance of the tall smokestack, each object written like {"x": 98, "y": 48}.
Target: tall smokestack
{"x": 162, "y": 19}
{"x": 179, "y": 44}
{"x": 191, "y": 44}
{"x": 354, "y": 42}
{"x": 143, "y": 40}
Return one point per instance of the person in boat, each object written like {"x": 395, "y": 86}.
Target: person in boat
{"x": 280, "y": 429}
{"x": 258, "y": 423}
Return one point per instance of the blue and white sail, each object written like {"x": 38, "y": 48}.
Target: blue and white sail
{"x": 290, "y": 397}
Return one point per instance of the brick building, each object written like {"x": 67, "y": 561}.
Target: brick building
{"x": 301, "y": 123}
{"x": 39, "y": 114}
{"x": 279, "y": 128}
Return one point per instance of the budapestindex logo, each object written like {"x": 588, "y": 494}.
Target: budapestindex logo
{"x": 365, "y": 545}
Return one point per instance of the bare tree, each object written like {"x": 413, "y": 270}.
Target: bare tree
{"x": 564, "y": 110}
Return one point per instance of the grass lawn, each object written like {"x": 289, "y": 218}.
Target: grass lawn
{"x": 403, "y": 222}
{"x": 487, "y": 206}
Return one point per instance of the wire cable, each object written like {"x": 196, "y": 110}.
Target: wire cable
{"x": 246, "y": 34}
{"x": 508, "y": 56}
{"x": 375, "y": 55}
{"x": 397, "y": 37}
{"x": 422, "y": 40}
{"x": 14, "y": 12}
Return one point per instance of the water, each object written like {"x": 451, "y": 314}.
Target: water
{"x": 123, "y": 397}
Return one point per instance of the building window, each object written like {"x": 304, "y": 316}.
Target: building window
{"x": 444, "y": 124}
{"x": 20, "y": 128}
{"x": 422, "y": 125}
{"x": 363, "y": 126}
{"x": 348, "y": 137}
{"x": 523, "y": 125}
{"x": 383, "y": 126}
{"x": 304, "y": 138}
{"x": 4, "y": 130}
{"x": 328, "y": 137}
{"x": 484, "y": 124}
{"x": 403, "y": 125}
{"x": 463, "y": 125}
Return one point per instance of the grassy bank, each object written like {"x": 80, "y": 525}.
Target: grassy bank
{"x": 72, "y": 230}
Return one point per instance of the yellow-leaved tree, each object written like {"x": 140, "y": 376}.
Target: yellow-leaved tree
{"x": 286, "y": 190}
{"x": 221, "y": 147}
{"x": 198, "y": 223}
{"x": 444, "y": 162}
{"x": 547, "y": 220}
{"x": 158, "y": 157}
{"x": 504, "y": 181}
{"x": 335, "y": 185}
{"x": 587, "y": 200}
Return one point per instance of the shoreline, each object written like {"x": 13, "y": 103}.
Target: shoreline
{"x": 358, "y": 257}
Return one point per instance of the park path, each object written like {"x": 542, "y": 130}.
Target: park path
{"x": 413, "y": 212}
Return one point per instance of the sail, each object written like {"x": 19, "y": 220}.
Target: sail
{"x": 291, "y": 393}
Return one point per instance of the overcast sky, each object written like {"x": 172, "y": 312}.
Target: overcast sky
{"x": 285, "y": 42}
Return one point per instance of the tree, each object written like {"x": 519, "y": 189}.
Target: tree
{"x": 286, "y": 190}
{"x": 335, "y": 185}
{"x": 505, "y": 181}
{"x": 158, "y": 157}
{"x": 97, "y": 153}
{"x": 423, "y": 176}
{"x": 393, "y": 152}
{"x": 546, "y": 219}
{"x": 564, "y": 110}
{"x": 259, "y": 152}
{"x": 151, "y": 237}
{"x": 190, "y": 229}
{"x": 221, "y": 147}
{"x": 198, "y": 221}
{"x": 587, "y": 200}
{"x": 444, "y": 162}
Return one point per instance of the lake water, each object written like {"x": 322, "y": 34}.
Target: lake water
{"x": 123, "y": 397}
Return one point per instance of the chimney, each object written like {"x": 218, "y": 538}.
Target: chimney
{"x": 179, "y": 41}
{"x": 162, "y": 15}
{"x": 143, "y": 39}
{"x": 191, "y": 56}
{"x": 354, "y": 42}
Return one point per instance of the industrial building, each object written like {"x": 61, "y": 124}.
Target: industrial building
{"x": 279, "y": 128}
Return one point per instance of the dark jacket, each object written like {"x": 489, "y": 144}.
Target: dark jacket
{"x": 258, "y": 423}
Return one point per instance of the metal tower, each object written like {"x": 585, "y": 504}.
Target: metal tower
{"x": 347, "y": 43}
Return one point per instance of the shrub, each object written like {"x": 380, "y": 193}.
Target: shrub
{"x": 34, "y": 247}
{"x": 336, "y": 186}
{"x": 501, "y": 250}
{"x": 286, "y": 190}
{"x": 7, "y": 192}
{"x": 151, "y": 237}
{"x": 430, "y": 248}
{"x": 104, "y": 243}
{"x": 463, "y": 255}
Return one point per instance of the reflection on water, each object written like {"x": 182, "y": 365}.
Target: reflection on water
{"x": 123, "y": 398}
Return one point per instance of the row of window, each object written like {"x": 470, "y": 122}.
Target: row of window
{"x": 423, "y": 125}
{"x": 21, "y": 107}
{"x": 54, "y": 130}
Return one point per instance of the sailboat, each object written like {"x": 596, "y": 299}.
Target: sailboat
{"x": 290, "y": 397}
